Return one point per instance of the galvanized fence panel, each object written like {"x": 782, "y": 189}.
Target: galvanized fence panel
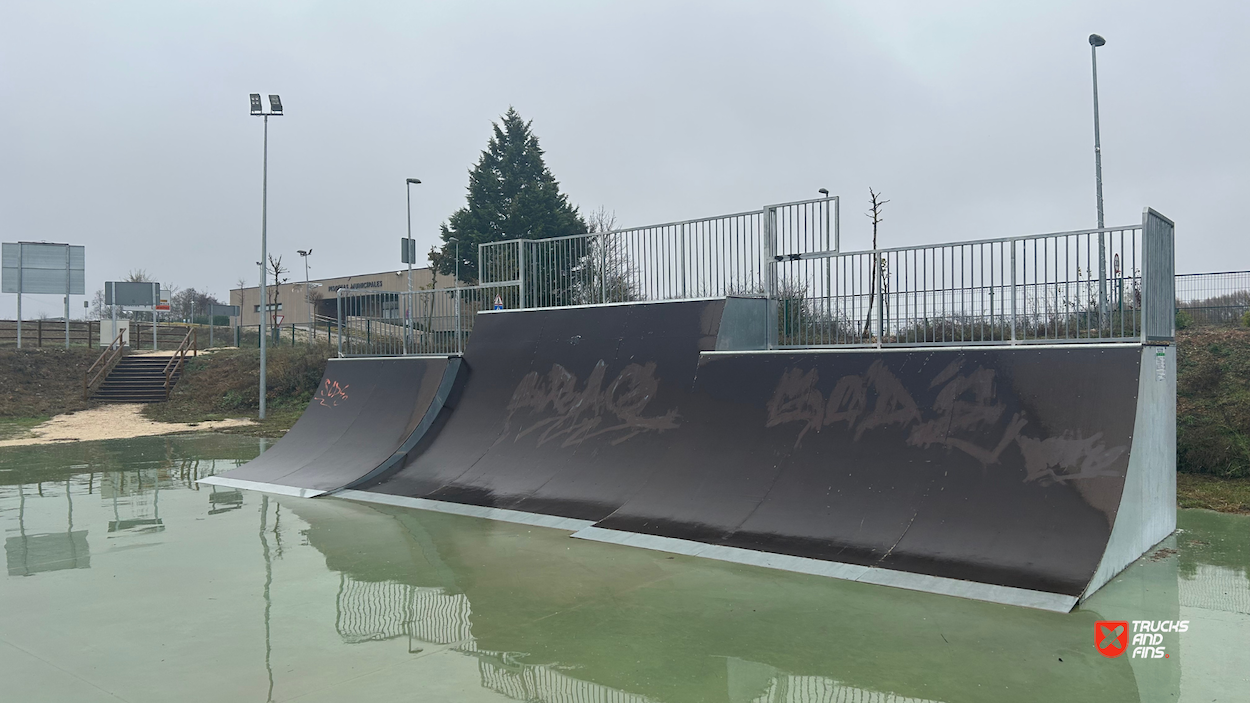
{"x": 1159, "y": 274}
{"x": 419, "y": 322}
{"x": 1012, "y": 290}
{"x": 714, "y": 256}
{"x": 1213, "y": 298}
{"x": 1111, "y": 284}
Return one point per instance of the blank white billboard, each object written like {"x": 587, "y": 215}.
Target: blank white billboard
{"x": 37, "y": 267}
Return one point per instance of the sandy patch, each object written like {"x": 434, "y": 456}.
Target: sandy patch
{"x": 120, "y": 421}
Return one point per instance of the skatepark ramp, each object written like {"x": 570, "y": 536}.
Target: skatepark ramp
{"x": 366, "y": 414}
{"x": 1021, "y": 466}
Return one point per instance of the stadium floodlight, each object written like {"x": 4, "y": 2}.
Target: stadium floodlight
{"x": 275, "y": 105}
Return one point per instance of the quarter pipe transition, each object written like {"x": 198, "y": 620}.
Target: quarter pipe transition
{"x": 1023, "y": 474}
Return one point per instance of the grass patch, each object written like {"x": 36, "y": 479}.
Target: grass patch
{"x": 225, "y": 384}
{"x": 42, "y": 382}
{"x": 18, "y": 427}
{"x": 1213, "y": 402}
{"x": 1227, "y": 495}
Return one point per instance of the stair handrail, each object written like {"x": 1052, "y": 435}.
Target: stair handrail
{"x": 113, "y": 352}
{"x": 180, "y": 355}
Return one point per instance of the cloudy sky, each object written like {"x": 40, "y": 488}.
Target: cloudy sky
{"x": 124, "y": 125}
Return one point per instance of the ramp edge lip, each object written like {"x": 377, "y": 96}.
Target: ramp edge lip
{"x": 261, "y": 486}
{"x": 933, "y": 348}
{"x": 703, "y": 299}
{"x": 396, "y": 357}
{"x": 961, "y": 348}
{"x": 991, "y": 593}
{"x": 440, "y": 506}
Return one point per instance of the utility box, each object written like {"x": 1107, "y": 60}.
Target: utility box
{"x": 108, "y": 333}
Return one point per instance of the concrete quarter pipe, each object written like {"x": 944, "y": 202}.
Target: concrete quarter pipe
{"x": 1027, "y": 475}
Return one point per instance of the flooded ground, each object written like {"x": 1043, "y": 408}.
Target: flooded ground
{"x": 128, "y": 582}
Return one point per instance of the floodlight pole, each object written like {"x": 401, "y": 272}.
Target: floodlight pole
{"x": 264, "y": 252}
{"x": 275, "y": 109}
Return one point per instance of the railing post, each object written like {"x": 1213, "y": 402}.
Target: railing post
{"x": 877, "y": 261}
{"x": 340, "y": 321}
{"x": 520, "y": 257}
{"x": 1013, "y": 291}
{"x": 770, "y": 275}
{"x": 683, "y": 260}
{"x": 603, "y": 267}
{"x": 459, "y": 343}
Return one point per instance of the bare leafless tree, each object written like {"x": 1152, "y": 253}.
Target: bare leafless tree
{"x": 875, "y": 205}
{"x": 276, "y": 269}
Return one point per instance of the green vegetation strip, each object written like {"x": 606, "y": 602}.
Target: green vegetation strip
{"x": 226, "y": 384}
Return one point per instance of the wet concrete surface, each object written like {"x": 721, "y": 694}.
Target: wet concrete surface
{"x": 128, "y": 581}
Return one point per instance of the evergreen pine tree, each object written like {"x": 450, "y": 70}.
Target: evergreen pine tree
{"x": 512, "y": 195}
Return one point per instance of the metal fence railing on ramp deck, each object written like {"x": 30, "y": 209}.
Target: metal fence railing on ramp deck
{"x": 1111, "y": 284}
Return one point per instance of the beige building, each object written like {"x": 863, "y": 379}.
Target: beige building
{"x": 294, "y": 299}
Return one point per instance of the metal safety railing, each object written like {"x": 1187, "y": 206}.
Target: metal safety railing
{"x": 1020, "y": 289}
{"x": 1112, "y": 284}
{"x": 713, "y": 256}
{"x": 418, "y": 322}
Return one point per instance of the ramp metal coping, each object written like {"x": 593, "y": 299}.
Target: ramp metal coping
{"x": 703, "y": 299}
{"x": 362, "y": 357}
{"x": 996, "y": 346}
{"x": 261, "y": 486}
{"x": 519, "y": 517}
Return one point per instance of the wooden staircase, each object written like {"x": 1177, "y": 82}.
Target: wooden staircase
{"x": 138, "y": 378}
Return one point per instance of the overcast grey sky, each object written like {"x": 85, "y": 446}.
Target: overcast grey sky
{"x": 125, "y": 126}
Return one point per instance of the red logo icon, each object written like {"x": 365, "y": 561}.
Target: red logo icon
{"x": 1111, "y": 637}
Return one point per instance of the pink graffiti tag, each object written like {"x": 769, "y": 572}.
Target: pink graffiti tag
{"x": 331, "y": 393}
{"x": 578, "y": 413}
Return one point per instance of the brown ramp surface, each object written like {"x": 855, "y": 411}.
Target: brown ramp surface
{"x": 991, "y": 472}
{"x": 364, "y": 412}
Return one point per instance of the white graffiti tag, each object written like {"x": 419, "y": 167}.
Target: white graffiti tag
{"x": 575, "y": 414}
{"x": 966, "y": 404}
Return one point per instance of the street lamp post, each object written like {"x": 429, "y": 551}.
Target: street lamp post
{"x": 307, "y": 290}
{"x": 410, "y": 253}
{"x": 275, "y": 109}
{"x": 1096, "y": 41}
